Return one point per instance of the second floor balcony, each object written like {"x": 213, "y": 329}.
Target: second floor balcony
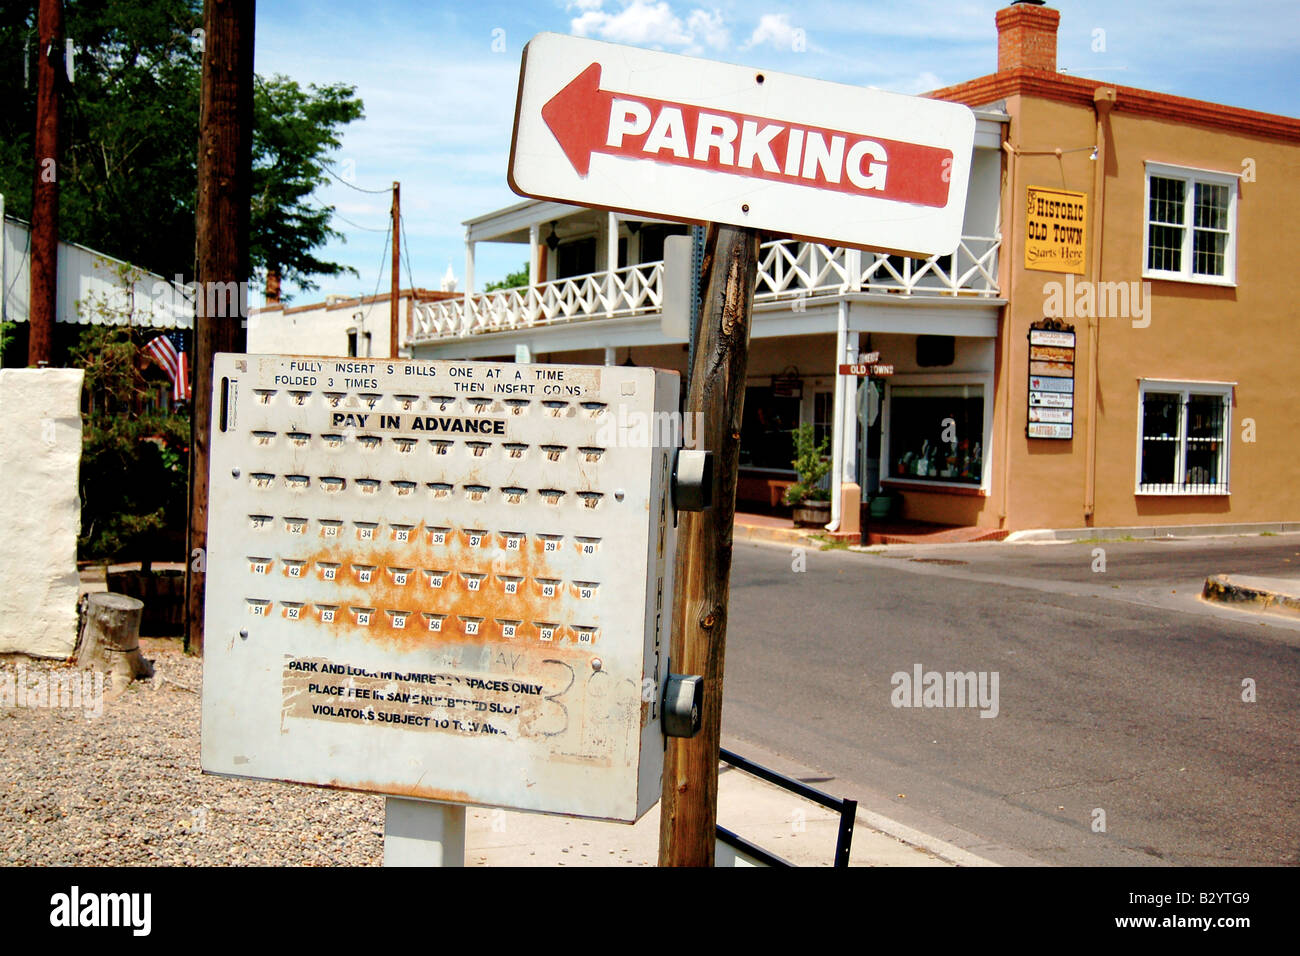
{"x": 787, "y": 269}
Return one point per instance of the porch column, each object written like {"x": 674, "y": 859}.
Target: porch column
{"x": 610, "y": 354}
{"x": 611, "y": 260}
{"x": 469, "y": 282}
{"x": 846, "y": 496}
{"x": 534, "y": 266}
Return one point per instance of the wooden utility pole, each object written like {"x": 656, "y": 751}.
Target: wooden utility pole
{"x": 397, "y": 270}
{"x": 221, "y": 225}
{"x": 689, "y": 810}
{"x": 45, "y": 185}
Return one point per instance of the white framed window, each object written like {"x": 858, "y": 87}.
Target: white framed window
{"x": 936, "y": 431}
{"x": 1190, "y": 226}
{"x": 1183, "y": 437}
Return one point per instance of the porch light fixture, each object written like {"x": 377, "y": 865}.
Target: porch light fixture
{"x": 552, "y": 241}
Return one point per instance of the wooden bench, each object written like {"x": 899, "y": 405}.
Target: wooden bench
{"x": 776, "y": 489}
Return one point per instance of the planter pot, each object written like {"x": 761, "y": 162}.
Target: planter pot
{"x": 883, "y": 507}
{"x": 163, "y": 594}
{"x": 812, "y": 514}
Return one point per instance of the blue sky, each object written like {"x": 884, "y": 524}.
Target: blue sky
{"x": 438, "y": 81}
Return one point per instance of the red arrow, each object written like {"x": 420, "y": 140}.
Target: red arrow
{"x": 586, "y": 119}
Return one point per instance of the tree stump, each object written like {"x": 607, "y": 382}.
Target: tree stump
{"x": 110, "y": 639}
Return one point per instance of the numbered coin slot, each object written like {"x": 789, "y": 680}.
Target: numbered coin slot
{"x": 264, "y": 395}
{"x": 584, "y": 634}
{"x": 590, "y": 499}
{"x": 403, "y": 489}
{"x": 513, "y": 540}
{"x": 585, "y": 590}
{"x": 260, "y": 565}
{"x": 299, "y": 439}
{"x": 508, "y": 628}
{"x": 510, "y": 583}
{"x": 475, "y": 537}
{"x": 517, "y": 406}
{"x": 553, "y": 452}
{"x": 443, "y": 402}
{"x": 406, "y": 402}
{"x": 366, "y": 530}
{"x": 293, "y": 568}
{"x": 262, "y": 439}
{"x": 433, "y": 621}
{"x": 514, "y": 495}
{"x": 260, "y": 522}
{"x": 551, "y": 543}
{"x": 554, "y": 409}
{"x": 299, "y": 397}
{"x": 515, "y": 450}
{"x": 473, "y": 581}
{"x": 297, "y": 482}
{"x": 292, "y": 610}
{"x": 440, "y": 446}
{"x": 546, "y": 630}
{"x": 333, "y": 484}
{"x": 332, "y": 441}
{"x": 591, "y": 454}
{"x": 261, "y": 479}
{"x": 326, "y": 612}
{"x": 362, "y": 615}
{"x": 328, "y": 570}
{"x": 397, "y": 619}
{"x": 402, "y": 532}
{"x": 334, "y": 399}
{"x": 438, "y": 535}
{"x": 364, "y": 573}
{"x": 369, "y": 442}
{"x": 404, "y": 446}
{"x": 399, "y": 576}
{"x": 548, "y": 587}
{"x": 370, "y": 398}
{"x": 552, "y": 496}
{"x": 479, "y": 404}
{"x": 258, "y": 607}
{"x": 330, "y": 528}
{"x": 434, "y": 579}
{"x": 295, "y": 525}
{"x": 471, "y": 625}
{"x": 588, "y": 545}
{"x": 477, "y": 493}
{"x": 594, "y": 409}
{"x": 478, "y": 449}
{"x": 368, "y": 486}
{"x": 440, "y": 489}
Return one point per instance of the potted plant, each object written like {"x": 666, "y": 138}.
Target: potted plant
{"x": 812, "y": 504}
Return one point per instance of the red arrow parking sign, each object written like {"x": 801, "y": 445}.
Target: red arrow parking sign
{"x": 674, "y": 137}
{"x": 586, "y": 119}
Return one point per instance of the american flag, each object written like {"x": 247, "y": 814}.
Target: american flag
{"x": 168, "y": 350}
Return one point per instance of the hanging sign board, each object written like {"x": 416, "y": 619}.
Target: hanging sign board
{"x": 446, "y": 580}
{"x": 1051, "y": 381}
{"x": 1056, "y": 230}
{"x": 674, "y": 137}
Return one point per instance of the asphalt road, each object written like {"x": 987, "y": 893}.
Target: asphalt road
{"x": 1118, "y": 691}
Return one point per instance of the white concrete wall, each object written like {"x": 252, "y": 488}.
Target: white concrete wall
{"x": 40, "y": 509}
{"x": 323, "y": 329}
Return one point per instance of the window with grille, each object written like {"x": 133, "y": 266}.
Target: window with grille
{"x": 1190, "y": 225}
{"x": 1184, "y": 439}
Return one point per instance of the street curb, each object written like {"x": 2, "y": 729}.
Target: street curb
{"x": 1158, "y": 531}
{"x": 749, "y": 532}
{"x": 1221, "y": 589}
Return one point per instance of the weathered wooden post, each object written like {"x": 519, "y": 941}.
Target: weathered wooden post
{"x": 110, "y": 638}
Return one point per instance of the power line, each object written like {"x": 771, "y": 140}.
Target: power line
{"x": 407, "y": 246}
{"x": 351, "y": 185}
{"x": 355, "y": 225}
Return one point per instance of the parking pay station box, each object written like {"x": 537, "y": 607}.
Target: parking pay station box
{"x": 443, "y": 580}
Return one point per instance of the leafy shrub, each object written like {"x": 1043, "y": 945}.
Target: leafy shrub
{"x": 810, "y": 465}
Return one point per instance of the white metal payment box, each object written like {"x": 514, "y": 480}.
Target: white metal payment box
{"x": 441, "y": 580}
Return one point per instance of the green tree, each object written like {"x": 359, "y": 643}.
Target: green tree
{"x": 513, "y": 280}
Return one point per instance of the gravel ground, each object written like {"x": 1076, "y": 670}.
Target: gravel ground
{"x": 124, "y": 788}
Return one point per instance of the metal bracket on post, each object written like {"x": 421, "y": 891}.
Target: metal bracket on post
{"x": 423, "y": 833}
{"x": 692, "y": 480}
{"x": 683, "y": 705}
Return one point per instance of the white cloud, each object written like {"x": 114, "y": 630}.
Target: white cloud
{"x": 650, "y": 24}
{"x": 775, "y": 29}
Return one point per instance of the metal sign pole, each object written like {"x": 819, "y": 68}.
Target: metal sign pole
{"x": 423, "y": 833}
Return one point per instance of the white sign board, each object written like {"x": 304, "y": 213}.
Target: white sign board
{"x": 444, "y": 580}
{"x": 657, "y": 134}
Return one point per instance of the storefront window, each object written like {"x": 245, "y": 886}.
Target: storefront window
{"x": 766, "y": 432}
{"x": 936, "y": 433}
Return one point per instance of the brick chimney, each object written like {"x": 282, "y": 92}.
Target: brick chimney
{"x": 1027, "y": 36}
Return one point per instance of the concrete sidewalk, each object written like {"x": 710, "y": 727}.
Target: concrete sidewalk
{"x": 1255, "y": 593}
{"x": 780, "y": 822}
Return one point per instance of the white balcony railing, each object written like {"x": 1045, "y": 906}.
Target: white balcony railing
{"x": 786, "y": 269}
